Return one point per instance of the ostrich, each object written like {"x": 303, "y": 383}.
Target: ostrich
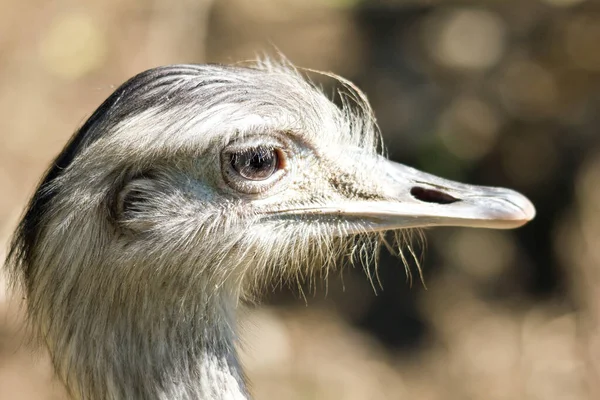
{"x": 184, "y": 192}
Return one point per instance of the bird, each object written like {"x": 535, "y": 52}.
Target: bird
{"x": 185, "y": 192}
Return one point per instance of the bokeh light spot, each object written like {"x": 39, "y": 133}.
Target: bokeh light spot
{"x": 482, "y": 254}
{"x": 465, "y": 38}
{"x": 581, "y": 39}
{"x": 469, "y": 128}
{"x": 528, "y": 90}
{"x": 73, "y": 46}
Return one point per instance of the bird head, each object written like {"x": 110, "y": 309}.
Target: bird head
{"x": 187, "y": 188}
{"x": 200, "y": 178}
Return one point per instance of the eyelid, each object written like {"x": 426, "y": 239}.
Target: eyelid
{"x": 257, "y": 142}
{"x": 283, "y": 145}
{"x": 250, "y": 149}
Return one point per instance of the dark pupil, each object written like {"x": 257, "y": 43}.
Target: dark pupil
{"x": 255, "y": 164}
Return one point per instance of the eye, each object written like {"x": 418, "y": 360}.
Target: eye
{"x": 255, "y": 164}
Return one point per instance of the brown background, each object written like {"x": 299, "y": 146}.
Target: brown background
{"x": 492, "y": 92}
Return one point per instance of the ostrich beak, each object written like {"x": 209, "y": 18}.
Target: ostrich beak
{"x": 420, "y": 199}
{"x": 409, "y": 198}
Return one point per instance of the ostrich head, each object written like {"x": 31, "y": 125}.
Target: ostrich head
{"x": 187, "y": 188}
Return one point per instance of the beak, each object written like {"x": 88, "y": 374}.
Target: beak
{"x": 409, "y": 198}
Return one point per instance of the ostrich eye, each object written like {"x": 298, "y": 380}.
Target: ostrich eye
{"x": 255, "y": 164}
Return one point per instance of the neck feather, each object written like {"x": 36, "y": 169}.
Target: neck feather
{"x": 169, "y": 357}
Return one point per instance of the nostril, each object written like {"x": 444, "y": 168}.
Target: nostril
{"x": 432, "y": 196}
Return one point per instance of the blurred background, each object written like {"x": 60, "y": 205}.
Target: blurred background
{"x": 503, "y": 93}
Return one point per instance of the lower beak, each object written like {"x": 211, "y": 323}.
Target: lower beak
{"x": 411, "y": 198}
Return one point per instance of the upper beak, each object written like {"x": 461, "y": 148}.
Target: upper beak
{"x": 410, "y": 198}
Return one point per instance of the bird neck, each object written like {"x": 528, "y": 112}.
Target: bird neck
{"x": 217, "y": 375}
{"x": 172, "y": 353}
{"x": 220, "y": 373}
